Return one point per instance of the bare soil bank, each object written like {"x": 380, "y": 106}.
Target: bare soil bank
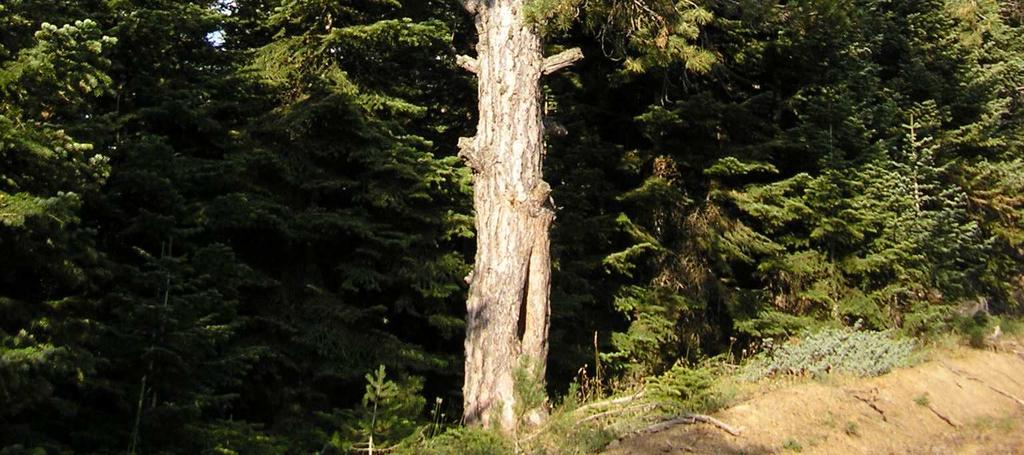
{"x": 964, "y": 402}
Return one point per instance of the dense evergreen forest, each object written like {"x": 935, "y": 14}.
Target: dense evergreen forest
{"x": 242, "y": 226}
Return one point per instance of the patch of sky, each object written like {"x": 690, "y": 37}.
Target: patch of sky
{"x": 224, "y": 7}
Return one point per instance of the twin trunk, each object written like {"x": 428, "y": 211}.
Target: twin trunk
{"x": 508, "y": 307}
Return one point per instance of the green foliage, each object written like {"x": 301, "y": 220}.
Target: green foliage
{"x": 922, "y": 399}
{"x": 975, "y": 328}
{"x": 783, "y": 192}
{"x": 389, "y": 414}
{"x": 562, "y": 434}
{"x": 215, "y": 217}
{"x": 684, "y": 389}
{"x": 856, "y": 352}
{"x": 528, "y": 388}
{"x": 647, "y": 347}
{"x": 851, "y": 429}
{"x": 50, "y": 76}
{"x": 777, "y": 324}
{"x": 793, "y": 445}
{"x": 222, "y": 278}
{"x": 46, "y": 87}
{"x": 231, "y": 437}
{"x": 469, "y": 441}
{"x": 1012, "y": 325}
{"x": 552, "y": 16}
{"x": 652, "y": 34}
{"x": 994, "y": 191}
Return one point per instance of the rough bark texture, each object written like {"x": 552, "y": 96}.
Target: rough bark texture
{"x": 508, "y": 307}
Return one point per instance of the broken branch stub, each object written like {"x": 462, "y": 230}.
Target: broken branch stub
{"x": 561, "y": 60}
{"x": 467, "y": 151}
{"x": 468, "y": 63}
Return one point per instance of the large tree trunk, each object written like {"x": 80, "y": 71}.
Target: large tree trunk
{"x": 508, "y": 307}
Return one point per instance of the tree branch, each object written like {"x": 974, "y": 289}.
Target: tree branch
{"x": 636, "y": 407}
{"x": 561, "y": 60}
{"x": 471, "y": 6}
{"x": 690, "y": 419}
{"x": 467, "y": 151}
{"x": 540, "y": 194}
{"x": 609, "y": 402}
{"x": 467, "y": 63}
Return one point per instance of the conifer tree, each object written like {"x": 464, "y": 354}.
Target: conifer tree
{"x": 50, "y": 77}
{"x": 346, "y": 172}
{"x": 787, "y": 226}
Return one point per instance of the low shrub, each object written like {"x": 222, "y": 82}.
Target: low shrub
{"x": 684, "y": 388}
{"x": 975, "y": 328}
{"x": 462, "y": 441}
{"x": 861, "y": 353}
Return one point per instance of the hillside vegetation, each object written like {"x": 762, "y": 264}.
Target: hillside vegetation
{"x": 960, "y": 401}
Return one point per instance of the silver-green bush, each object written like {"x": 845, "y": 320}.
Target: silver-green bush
{"x": 861, "y": 353}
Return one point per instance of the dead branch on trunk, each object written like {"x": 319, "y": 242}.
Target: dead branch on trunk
{"x": 561, "y": 60}
{"x": 468, "y": 153}
{"x": 468, "y": 63}
{"x": 471, "y": 6}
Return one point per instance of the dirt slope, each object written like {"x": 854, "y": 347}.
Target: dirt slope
{"x": 968, "y": 401}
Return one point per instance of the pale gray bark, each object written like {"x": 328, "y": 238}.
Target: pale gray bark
{"x": 508, "y": 308}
